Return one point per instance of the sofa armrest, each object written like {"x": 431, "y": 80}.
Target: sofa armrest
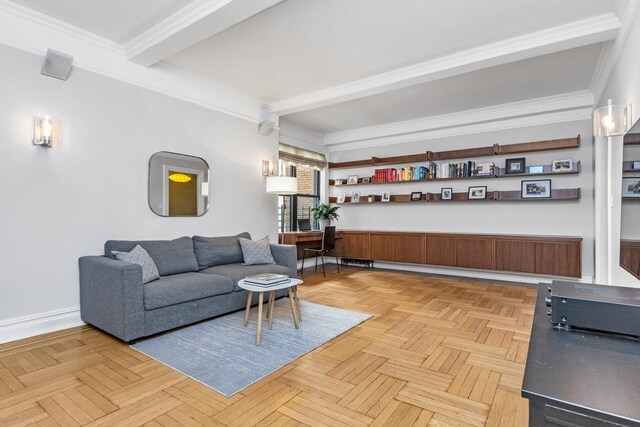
{"x": 286, "y": 255}
{"x": 112, "y": 296}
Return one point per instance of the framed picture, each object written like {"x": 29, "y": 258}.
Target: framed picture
{"x": 536, "y": 189}
{"x": 353, "y": 179}
{"x": 515, "y": 166}
{"x": 477, "y": 193}
{"x": 341, "y": 197}
{"x": 386, "y": 197}
{"x": 562, "y": 165}
{"x": 366, "y": 180}
{"x": 355, "y": 197}
{"x": 446, "y": 193}
{"x": 635, "y": 166}
{"x": 536, "y": 169}
{"x": 337, "y": 181}
{"x": 631, "y": 186}
{"x": 416, "y": 196}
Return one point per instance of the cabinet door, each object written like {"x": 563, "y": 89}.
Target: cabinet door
{"x": 441, "y": 251}
{"x": 475, "y": 253}
{"x": 398, "y": 247}
{"x": 559, "y": 259}
{"x": 630, "y": 256}
{"x": 516, "y": 255}
{"x": 353, "y": 245}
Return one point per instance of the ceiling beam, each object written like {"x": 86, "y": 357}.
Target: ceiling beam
{"x": 193, "y": 23}
{"x": 576, "y": 34}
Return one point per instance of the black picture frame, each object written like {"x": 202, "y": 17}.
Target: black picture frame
{"x": 515, "y": 166}
{"x": 446, "y": 193}
{"x": 527, "y": 193}
{"x": 416, "y": 196}
{"x": 471, "y": 194}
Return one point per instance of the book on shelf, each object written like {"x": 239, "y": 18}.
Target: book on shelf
{"x": 266, "y": 279}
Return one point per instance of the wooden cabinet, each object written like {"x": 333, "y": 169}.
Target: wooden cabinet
{"x": 407, "y": 247}
{"x": 474, "y": 253}
{"x": 440, "y": 250}
{"x": 558, "y": 259}
{"x": 630, "y": 256}
{"x": 516, "y": 255}
{"x": 354, "y": 244}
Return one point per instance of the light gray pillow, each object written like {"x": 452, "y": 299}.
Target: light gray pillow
{"x": 141, "y": 257}
{"x": 256, "y": 252}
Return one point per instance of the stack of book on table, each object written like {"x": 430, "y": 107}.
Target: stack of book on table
{"x": 266, "y": 279}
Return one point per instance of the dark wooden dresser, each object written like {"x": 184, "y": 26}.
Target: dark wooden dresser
{"x": 579, "y": 378}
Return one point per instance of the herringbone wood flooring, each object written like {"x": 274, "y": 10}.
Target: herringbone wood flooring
{"x": 438, "y": 352}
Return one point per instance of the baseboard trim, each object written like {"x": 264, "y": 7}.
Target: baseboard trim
{"x": 37, "y": 324}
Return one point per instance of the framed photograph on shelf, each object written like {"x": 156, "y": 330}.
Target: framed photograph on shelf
{"x": 477, "y": 193}
{"x": 386, "y": 197}
{"x": 562, "y": 165}
{"x": 337, "y": 181}
{"x": 514, "y": 166}
{"x": 341, "y": 197}
{"x": 635, "y": 166}
{"x": 366, "y": 180}
{"x": 416, "y": 196}
{"x": 355, "y": 197}
{"x": 353, "y": 179}
{"x": 631, "y": 187}
{"x": 446, "y": 193}
{"x": 536, "y": 169}
{"x": 536, "y": 189}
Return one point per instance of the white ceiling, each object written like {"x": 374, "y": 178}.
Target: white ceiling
{"x": 301, "y": 46}
{"x": 115, "y": 20}
{"x": 562, "y": 72}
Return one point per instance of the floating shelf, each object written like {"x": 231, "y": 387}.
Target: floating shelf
{"x": 632, "y": 139}
{"x": 498, "y": 196}
{"x": 627, "y": 166}
{"x": 501, "y": 174}
{"x": 493, "y": 150}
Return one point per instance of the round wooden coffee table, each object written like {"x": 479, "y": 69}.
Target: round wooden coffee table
{"x": 292, "y": 286}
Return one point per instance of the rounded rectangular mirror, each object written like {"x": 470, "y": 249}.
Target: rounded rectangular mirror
{"x": 178, "y": 184}
{"x": 630, "y": 228}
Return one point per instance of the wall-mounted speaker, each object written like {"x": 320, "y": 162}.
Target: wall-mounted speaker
{"x": 57, "y": 64}
{"x": 266, "y": 127}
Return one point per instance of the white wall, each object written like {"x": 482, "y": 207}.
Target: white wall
{"x": 623, "y": 88}
{"x": 61, "y": 203}
{"x": 569, "y": 218}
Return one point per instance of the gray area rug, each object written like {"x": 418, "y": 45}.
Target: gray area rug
{"x": 222, "y": 354}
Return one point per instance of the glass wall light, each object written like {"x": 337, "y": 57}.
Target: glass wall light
{"x": 611, "y": 120}
{"x": 43, "y": 131}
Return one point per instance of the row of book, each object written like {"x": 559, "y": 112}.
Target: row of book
{"x": 434, "y": 171}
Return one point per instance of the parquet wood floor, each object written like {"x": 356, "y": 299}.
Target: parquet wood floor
{"x": 438, "y": 352}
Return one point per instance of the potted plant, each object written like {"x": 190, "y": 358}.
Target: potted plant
{"x": 324, "y": 213}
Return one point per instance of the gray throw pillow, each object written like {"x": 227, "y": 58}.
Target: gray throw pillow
{"x": 256, "y": 252}
{"x": 141, "y": 257}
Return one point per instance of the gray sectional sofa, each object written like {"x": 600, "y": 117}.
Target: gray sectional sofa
{"x": 198, "y": 280}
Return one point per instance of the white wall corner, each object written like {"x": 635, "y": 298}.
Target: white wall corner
{"x": 301, "y": 136}
{"x": 37, "y": 324}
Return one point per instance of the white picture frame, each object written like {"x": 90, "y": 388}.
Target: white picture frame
{"x": 631, "y": 186}
{"x": 386, "y": 196}
{"x": 352, "y": 180}
{"x": 446, "y": 193}
{"x": 355, "y": 197}
{"x": 337, "y": 181}
{"x": 341, "y": 197}
{"x": 565, "y": 165}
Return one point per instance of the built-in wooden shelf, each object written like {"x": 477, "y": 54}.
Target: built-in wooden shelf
{"x": 627, "y": 166}
{"x": 493, "y": 150}
{"x": 501, "y": 173}
{"x": 635, "y": 199}
{"x": 632, "y": 139}
{"x": 498, "y": 196}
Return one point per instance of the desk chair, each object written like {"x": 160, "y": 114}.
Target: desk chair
{"x": 328, "y": 245}
{"x": 304, "y": 225}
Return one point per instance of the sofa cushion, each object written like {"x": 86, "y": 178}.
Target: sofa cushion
{"x": 256, "y": 252}
{"x": 237, "y": 272}
{"x": 184, "y": 287}
{"x": 139, "y": 256}
{"x": 212, "y": 251}
{"x": 171, "y": 256}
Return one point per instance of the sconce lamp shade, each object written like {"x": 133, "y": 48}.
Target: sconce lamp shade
{"x": 282, "y": 185}
{"x": 42, "y": 131}
{"x": 611, "y": 120}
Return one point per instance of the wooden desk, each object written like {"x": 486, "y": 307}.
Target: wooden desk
{"x": 580, "y": 378}
{"x": 304, "y": 239}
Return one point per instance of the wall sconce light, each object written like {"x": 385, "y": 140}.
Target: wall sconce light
{"x": 267, "y": 168}
{"x": 43, "y": 131}
{"x": 611, "y": 120}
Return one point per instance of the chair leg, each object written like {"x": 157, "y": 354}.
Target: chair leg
{"x": 302, "y": 269}
{"x": 316, "y": 262}
{"x": 323, "y": 273}
{"x": 337, "y": 264}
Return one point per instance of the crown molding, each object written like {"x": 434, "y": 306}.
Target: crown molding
{"x": 195, "y": 22}
{"x": 452, "y": 121}
{"x": 626, "y": 10}
{"x": 33, "y": 32}
{"x": 580, "y": 33}
{"x": 581, "y": 113}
